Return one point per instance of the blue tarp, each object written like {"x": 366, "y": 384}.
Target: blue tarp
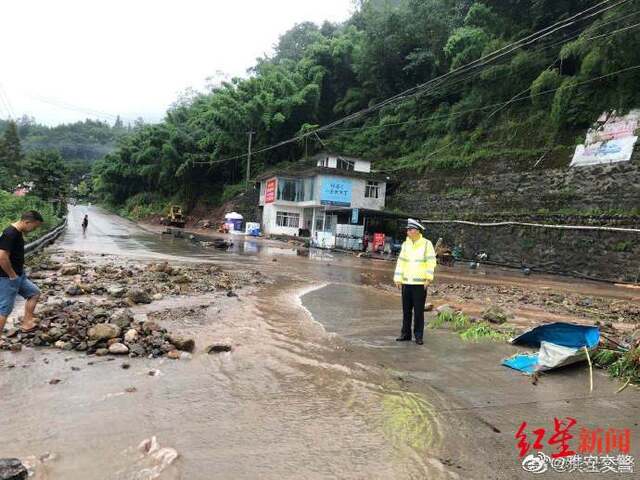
{"x": 565, "y": 335}
{"x": 524, "y": 362}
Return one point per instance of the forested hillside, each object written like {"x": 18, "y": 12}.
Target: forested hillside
{"x": 48, "y": 161}
{"x": 512, "y": 80}
{"x": 80, "y": 144}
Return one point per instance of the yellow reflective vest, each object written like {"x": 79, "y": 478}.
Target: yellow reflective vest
{"x": 416, "y": 263}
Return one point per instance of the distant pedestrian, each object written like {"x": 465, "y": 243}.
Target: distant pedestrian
{"x": 13, "y": 281}
{"x": 85, "y": 224}
{"x": 414, "y": 273}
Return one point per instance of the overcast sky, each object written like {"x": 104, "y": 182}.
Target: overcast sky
{"x": 66, "y": 60}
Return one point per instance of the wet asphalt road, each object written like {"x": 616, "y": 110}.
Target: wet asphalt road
{"x": 316, "y": 387}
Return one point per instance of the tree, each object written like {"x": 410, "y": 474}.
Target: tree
{"x": 293, "y": 43}
{"x": 498, "y": 109}
{"x": 48, "y": 173}
{"x": 11, "y": 157}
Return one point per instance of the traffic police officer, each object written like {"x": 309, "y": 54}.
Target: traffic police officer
{"x": 414, "y": 273}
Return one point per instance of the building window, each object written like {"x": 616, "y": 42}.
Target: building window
{"x": 343, "y": 164}
{"x": 372, "y": 190}
{"x": 290, "y": 190}
{"x": 288, "y": 219}
{"x": 323, "y": 162}
{"x": 300, "y": 190}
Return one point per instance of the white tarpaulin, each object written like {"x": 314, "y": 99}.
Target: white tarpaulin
{"x": 610, "y": 140}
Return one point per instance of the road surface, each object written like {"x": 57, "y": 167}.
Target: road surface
{"x": 316, "y": 387}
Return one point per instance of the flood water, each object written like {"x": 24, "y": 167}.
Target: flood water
{"x": 315, "y": 387}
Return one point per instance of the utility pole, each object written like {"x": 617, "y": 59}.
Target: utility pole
{"x": 249, "y": 158}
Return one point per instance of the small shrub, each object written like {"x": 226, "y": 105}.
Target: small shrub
{"x": 231, "y": 191}
{"x": 623, "y": 246}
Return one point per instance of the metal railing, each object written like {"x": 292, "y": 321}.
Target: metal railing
{"x": 47, "y": 239}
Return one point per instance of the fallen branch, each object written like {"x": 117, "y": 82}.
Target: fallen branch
{"x": 624, "y": 386}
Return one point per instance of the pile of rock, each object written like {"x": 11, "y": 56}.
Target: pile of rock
{"x": 80, "y": 326}
{"x": 103, "y": 323}
{"x": 136, "y": 283}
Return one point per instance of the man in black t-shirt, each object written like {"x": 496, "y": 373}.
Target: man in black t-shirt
{"x": 13, "y": 281}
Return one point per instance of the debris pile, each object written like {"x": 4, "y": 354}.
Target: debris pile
{"x": 80, "y": 326}
{"x": 104, "y": 324}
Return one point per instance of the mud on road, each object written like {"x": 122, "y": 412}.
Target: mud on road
{"x": 314, "y": 385}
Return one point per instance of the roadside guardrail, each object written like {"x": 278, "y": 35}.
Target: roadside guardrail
{"x": 45, "y": 240}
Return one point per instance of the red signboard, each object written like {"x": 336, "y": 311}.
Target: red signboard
{"x": 270, "y": 191}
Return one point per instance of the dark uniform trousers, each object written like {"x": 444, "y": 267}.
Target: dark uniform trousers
{"x": 413, "y": 299}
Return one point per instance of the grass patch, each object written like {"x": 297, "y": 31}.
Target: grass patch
{"x": 457, "y": 321}
{"x": 459, "y": 192}
{"x": 482, "y": 331}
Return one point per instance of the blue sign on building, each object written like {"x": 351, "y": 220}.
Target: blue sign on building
{"x": 335, "y": 191}
{"x": 354, "y": 215}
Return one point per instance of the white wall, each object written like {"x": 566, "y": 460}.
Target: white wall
{"x": 358, "y": 200}
{"x": 269, "y": 217}
{"x": 362, "y": 166}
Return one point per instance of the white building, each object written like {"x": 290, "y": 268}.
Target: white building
{"x": 336, "y": 190}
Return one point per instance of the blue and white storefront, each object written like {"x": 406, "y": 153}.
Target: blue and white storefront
{"x": 296, "y": 204}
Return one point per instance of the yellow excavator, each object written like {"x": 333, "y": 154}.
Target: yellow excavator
{"x": 175, "y": 217}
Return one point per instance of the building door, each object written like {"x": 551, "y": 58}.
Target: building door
{"x": 319, "y": 220}
{"x": 307, "y": 220}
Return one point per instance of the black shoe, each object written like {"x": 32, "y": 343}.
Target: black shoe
{"x": 403, "y": 339}
{"x": 419, "y": 341}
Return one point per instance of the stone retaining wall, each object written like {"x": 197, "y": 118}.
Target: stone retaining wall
{"x": 565, "y": 195}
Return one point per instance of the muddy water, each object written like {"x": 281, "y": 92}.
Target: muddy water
{"x": 290, "y": 401}
{"x": 314, "y": 388}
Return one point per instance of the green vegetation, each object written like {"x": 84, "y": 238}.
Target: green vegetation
{"x": 468, "y": 329}
{"x": 43, "y": 172}
{"x": 79, "y": 145}
{"x": 483, "y": 331}
{"x": 623, "y": 365}
{"x": 83, "y": 142}
{"x": 448, "y": 319}
{"x": 529, "y": 104}
{"x": 623, "y": 246}
{"x": 459, "y": 192}
{"x": 11, "y": 207}
{"x": 144, "y": 205}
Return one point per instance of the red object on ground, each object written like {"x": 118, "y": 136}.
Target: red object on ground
{"x": 378, "y": 241}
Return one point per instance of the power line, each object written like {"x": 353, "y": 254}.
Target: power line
{"x": 464, "y": 80}
{"x": 6, "y": 102}
{"x": 67, "y": 106}
{"x": 439, "y": 81}
{"x": 470, "y": 110}
{"x": 507, "y": 49}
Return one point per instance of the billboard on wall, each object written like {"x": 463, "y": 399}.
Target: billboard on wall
{"x": 611, "y": 140}
{"x": 335, "y": 191}
{"x": 270, "y": 191}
